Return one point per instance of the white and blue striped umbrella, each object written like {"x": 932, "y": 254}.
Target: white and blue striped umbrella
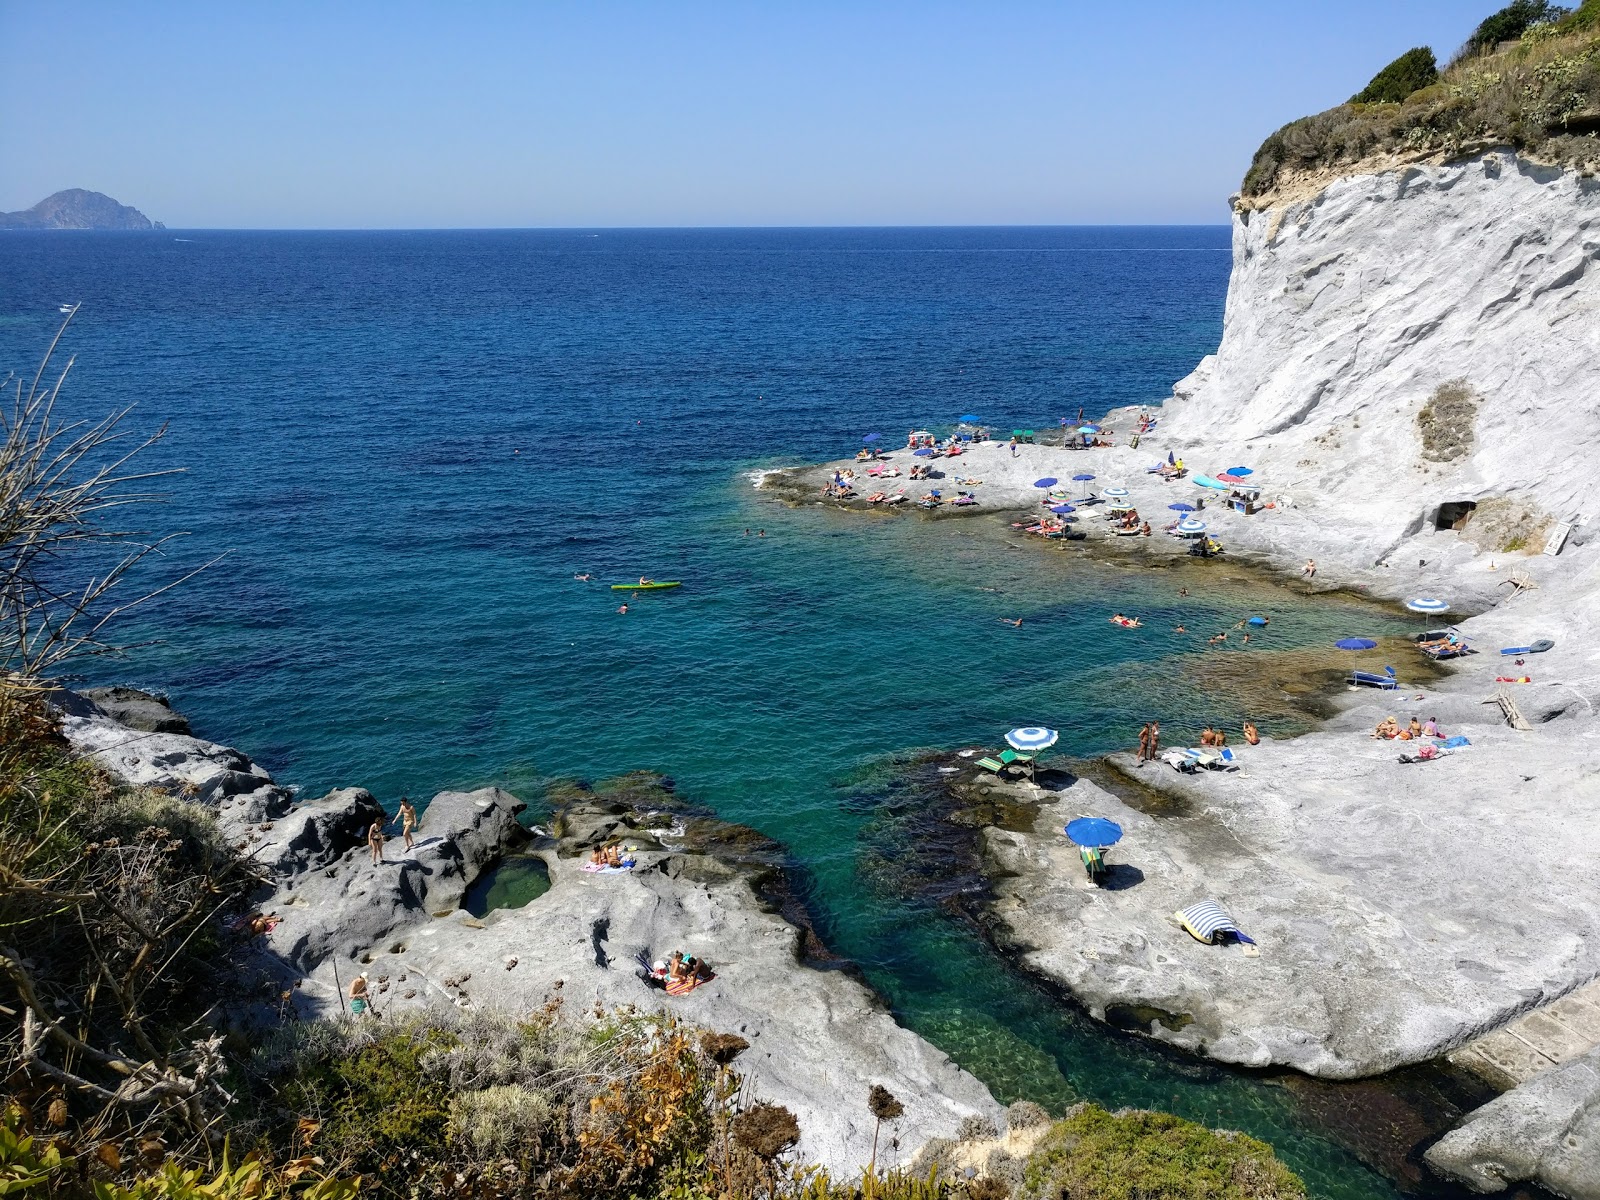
{"x": 1190, "y": 526}
{"x": 1115, "y": 493}
{"x": 1031, "y": 738}
{"x": 1427, "y": 606}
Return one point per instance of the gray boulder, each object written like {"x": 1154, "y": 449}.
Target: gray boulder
{"x": 350, "y": 905}
{"x": 1547, "y": 1131}
{"x": 143, "y": 711}
{"x": 317, "y": 834}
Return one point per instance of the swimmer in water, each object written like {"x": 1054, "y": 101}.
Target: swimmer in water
{"x": 1179, "y": 629}
{"x": 584, "y": 578}
{"x": 1010, "y": 621}
{"x": 623, "y": 609}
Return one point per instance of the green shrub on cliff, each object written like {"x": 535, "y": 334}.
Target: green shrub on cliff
{"x": 1411, "y": 72}
{"x": 1541, "y": 96}
{"x": 1509, "y": 24}
{"x": 1095, "y": 1155}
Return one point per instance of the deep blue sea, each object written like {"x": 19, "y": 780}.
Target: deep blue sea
{"x": 408, "y": 444}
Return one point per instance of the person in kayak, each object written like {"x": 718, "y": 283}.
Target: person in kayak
{"x": 644, "y": 582}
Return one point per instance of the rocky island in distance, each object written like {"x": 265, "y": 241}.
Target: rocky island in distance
{"x": 78, "y": 208}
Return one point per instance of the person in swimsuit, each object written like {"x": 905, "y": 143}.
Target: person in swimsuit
{"x": 375, "y": 841}
{"x": 1144, "y": 743}
{"x": 360, "y": 1001}
{"x": 1252, "y": 734}
{"x": 408, "y": 821}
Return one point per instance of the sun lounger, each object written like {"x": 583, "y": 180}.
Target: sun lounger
{"x": 1094, "y": 862}
{"x": 992, "y": 764}
{"x": 1385, "y": 682}
{"x": 1439, "y": 653}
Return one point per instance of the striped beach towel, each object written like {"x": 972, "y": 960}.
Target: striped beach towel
{"x": 1207, "y": 921}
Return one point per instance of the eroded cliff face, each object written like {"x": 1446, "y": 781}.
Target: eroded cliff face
{"x": 1349, "y": 310}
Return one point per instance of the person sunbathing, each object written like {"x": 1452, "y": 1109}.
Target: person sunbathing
{"x": 1431, "y": 727}
{"x": 931, "y": 498}
{"x": 875, "y": 498}
{"x": 1415, "y": 728}
{"x": 1388, "y": 729}
{"x": 1208, "y": 737}
{"x": 597, "y": 856}
{"x": 1252, "y": 734}
{"x": 613, "y": 855}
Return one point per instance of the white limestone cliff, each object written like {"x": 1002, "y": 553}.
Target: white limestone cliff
{"x": 1348, "y": 309}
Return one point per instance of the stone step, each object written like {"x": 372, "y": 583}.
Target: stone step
{"x": 1542, "y": 1038}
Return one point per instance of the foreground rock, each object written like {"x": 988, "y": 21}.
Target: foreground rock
{"x": 819, "y": 1039}
{"x": 1547, "y": 1132}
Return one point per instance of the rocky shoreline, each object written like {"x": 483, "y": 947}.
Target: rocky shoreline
{"x": 820, "y": 1038}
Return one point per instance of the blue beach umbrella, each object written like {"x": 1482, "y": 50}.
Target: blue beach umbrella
{"x": 1429, "y": 606}
{"x": 969, "y": 418}
{"x": 1190, "y": 527}
{"x": 1047, "y": 481}
{"x": 1171, "y": 460}
{"x": 1081, "y": 478}
{"x": 923, "y": 453}
{"x": 1207, "y": 482}
{"x": 1355, "y": 643}
{"x": 1181, "y": 507}
{"x": 1087, "y": 429}
{"x": 1115, "y": 493}
{"x": 1239, "y": 471}
{"x": 1031, "y": 738}
{"x": 1063, "y": 509}
{"x": 872, "y": 437}
{"x": 1092, "y": 831}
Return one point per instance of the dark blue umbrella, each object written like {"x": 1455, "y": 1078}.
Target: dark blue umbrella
{"x": 1239, "y": 471}
{"x": 1181, "y": 507}
{"x": 1355, "y": 644}
{"x": 1063, "y": 509}
{"x": 923, "y": 453}
{"x": 872, "y": 437}
{"x": 1047, "y": 481}
{"x": 1081, "y": 478}
{"x": 969, "y": 418}
{"x": 1171, "y": 461}
{"x": 1093, "y": 831}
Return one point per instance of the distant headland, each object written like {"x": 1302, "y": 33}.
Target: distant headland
{"x": 76, "y": 208}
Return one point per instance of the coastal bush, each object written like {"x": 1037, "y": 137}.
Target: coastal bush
{"x": 1447, "y": 422}
{"x": 1509, "y": 24}
{"x": 112, "y": 908}
{"x": 1540, "y": 96}
{"x": 1411, "y": 72}
{"x": 1092, "y": 1154}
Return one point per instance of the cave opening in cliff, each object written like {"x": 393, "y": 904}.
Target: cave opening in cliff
{"x": 1454, "y": 514}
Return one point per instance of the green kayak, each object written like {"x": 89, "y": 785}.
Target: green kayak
{"x": 645, "y": 587}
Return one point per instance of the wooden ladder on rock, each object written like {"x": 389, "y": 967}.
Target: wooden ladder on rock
{"x": 1509, "y": 709}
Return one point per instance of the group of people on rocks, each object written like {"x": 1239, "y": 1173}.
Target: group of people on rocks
{"x": 1390, "y": 729}
{"x": 1211, "y": 736}
{"x": 407, "y": 817}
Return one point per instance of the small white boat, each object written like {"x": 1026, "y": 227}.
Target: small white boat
{"x": 66, "y": 308}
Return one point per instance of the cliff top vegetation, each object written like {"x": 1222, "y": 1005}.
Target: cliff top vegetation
{"x": 1528, "y": 77}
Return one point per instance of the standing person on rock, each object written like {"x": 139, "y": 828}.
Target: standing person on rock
{"x": 1144, "y": 743}
{"x": 408, "y": 821}
{"x": 360, "y": 1000}
{"x": 375, "y": 841}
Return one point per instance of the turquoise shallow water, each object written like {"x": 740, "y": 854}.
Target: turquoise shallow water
{"x": 410, "y": 443}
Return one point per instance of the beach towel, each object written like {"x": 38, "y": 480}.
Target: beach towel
{"x": 594, "y": 868}
{"x": 1207, "y": 921}
{"x": 682, "y": 987}
{"x": 1451, "y": 743}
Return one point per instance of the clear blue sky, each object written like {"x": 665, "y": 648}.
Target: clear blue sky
{"x": 608, "y": 112}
